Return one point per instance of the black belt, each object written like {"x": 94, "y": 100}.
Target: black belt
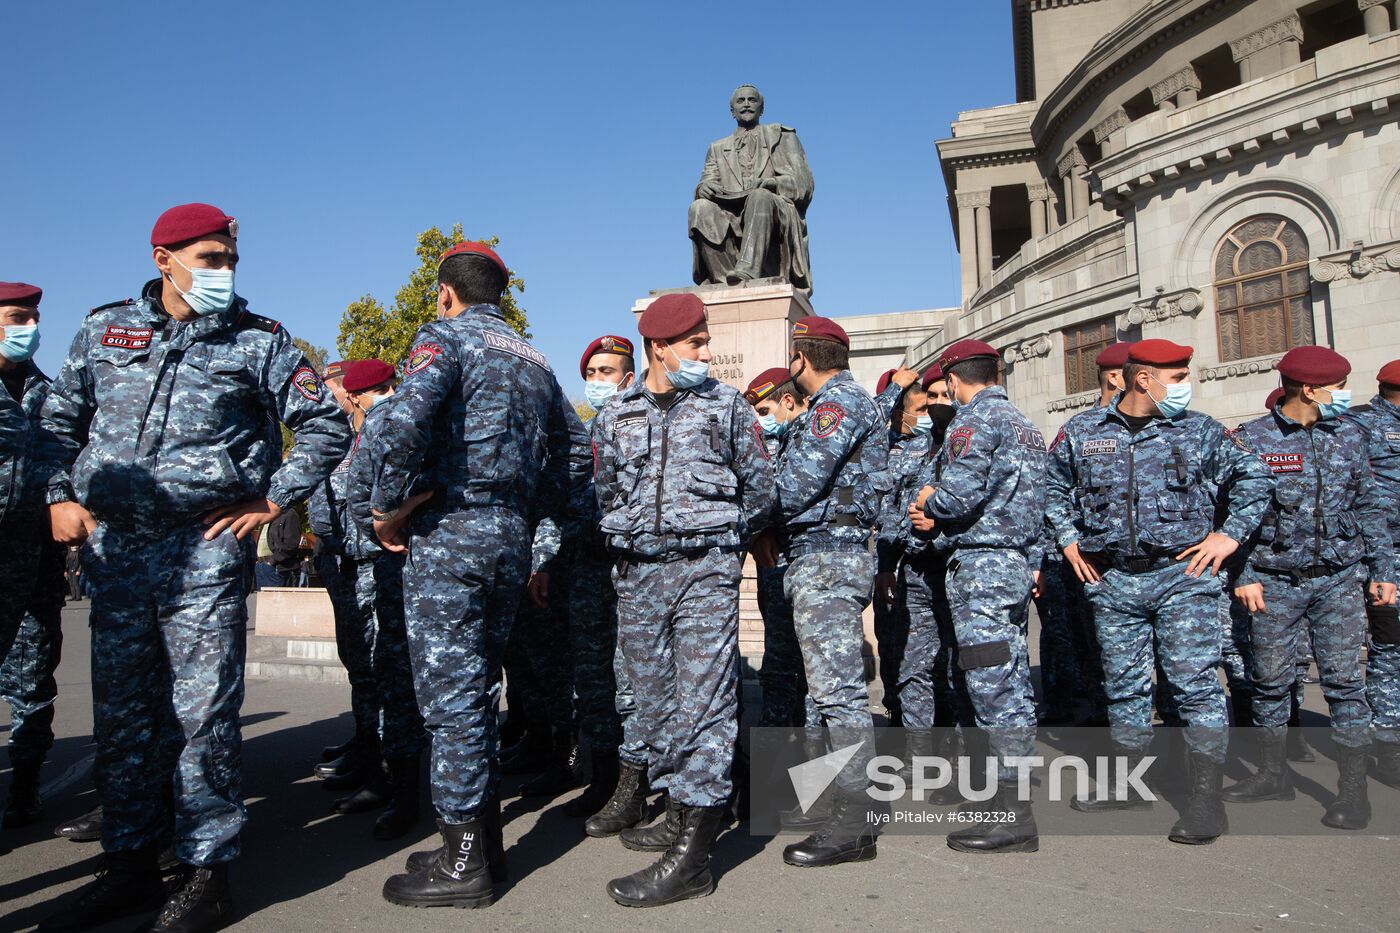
{"x": 1297, "y": 575}
{"x": 1137, "y": 565}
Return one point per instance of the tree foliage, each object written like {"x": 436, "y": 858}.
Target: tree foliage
{"x": 370, "y": 329}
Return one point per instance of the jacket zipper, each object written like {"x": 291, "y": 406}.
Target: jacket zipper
{"x": 1132, "y": 501}
{"x": 661, "y": 470}
{"x": 1317, "y": 500}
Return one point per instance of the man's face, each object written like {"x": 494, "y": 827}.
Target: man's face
{"x": 608, "y": 367}
{"x": 915, "y": 404}
{"x": 692, "y": 345}
{"x": 746, "y": 105}
{"x": 1322, "y": 395}
{"x": 782, "y": 405}
{"x": 213, "y": 252}
{"x": 337, "y": 386}
{"x": 18, "y": 314}
{"x": 938, "y": 392}
{"x": 364, "y": 401}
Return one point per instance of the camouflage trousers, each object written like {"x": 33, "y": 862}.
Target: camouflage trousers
{"x": 930, "y": 698}
{"x": 350, "y": 585}
{"x": 1383, "y": 672}
{"x": 989, "y": 592}
{"x": 1173, "y": 619}
{"x": 1332, "y": 610}
{"x": 169, "y": 633}
{"x": 891, "y": 634}
{"x": 20, "y": 544}
{"x": 678, "y": 631}
{"x": 829, "y": 591}
{"x": 1059, "y": 656}
{"x": 462, "y": 582}
{"x": 786, "y": 702}
{"x": 602, "y": 699}
{"x": 401, "y": 732}
{"x": 27, "y": 674}
{"x": 1237, "y": 657}
{"x": 1088, "y": 658}
{"x": 541, "y": 644}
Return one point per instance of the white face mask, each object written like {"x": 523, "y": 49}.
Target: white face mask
{"x": 211, "y": 290}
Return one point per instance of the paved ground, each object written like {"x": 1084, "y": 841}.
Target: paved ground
{"x": 304, "y": 870}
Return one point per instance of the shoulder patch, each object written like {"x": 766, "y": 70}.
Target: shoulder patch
{"x": 126, "y": 338}
{"x": 758, "y": 438}
{"x": 1059, "y": 439}
{"x": 421, "y": 357}
{"x": 307, "y": 383}
{"x": 1236, "y": 435}
{"x": 1028, "y": 436}
{"x": 258, "y": 322}
{"x": 960, "y": 441}
{"x": 515, "y": 347}
{"x": 826, "y": 418}
{"x": 112, "y": 304}
{"x": 1099, "y": 446}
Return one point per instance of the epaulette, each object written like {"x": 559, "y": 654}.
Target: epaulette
{"x": 257, "y": 321}
{"x": 113, "y": 304}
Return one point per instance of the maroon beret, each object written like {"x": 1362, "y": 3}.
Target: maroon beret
{"x": 766, "y": 383}
{"x": 333, "y": 370}
{"x": 190, "y": 222}
{"x": 1313, "y": 365}
{"x": 931, "y": 375}
{"x": 883, "y": 382}
{"x": 605, "y": 344}
{"x": 1390, "y": 373}
{"x": 366, "y": 374}
{"x": 18, "y": 293}
{"x": 476, "y": 249}
{"x": 820, "y": 328}
{"x": 966, "y": 350}
{"x": 1273, "y": 399}
{"x": 672, "y": 315}
{"x": 1112, "y": 356}
{"x": 1159, "y": 353}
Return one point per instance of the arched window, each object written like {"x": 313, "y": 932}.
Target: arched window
{"x": 1262, "y": 289}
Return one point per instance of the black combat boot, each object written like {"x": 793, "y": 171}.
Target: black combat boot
{"x": 512, "y": 729}
{"x": 128, "y": 884}
{"x": 86, "y": 828}
{"x": 1132, "y": 800}
{"x": 813, "y": 747}
{"x": 564, "y": 772}
{"x": 848, "y": 835}
{"x": 600, "y": 787}
{"x": 948, "y": 746}
{"x": 458, "y": 877}
{"x": 1241, "y": 708}
{"x": 1388, "y": 763}
{"x": 1298, "y": 749}
{"x": 200, "y": 903}
{"x": 918, "y": 743}
{"x": 25, "y": 802}
{"x": 332, "y": 752}
{"x": 405, "y": 800}
{"x": 327, "y": 767}
{"x": 1352, "y": 808}
{"x": 1273, "y": 780}
{"x": 377, "y": 791}
{"x": 683, "y": 871}
{"x": 1015, "y": 834}
{"x": 531, "y": 754}
{"x": 659, "y": 836}
{"x": 494, "y": 841}
{"x": 358, "y": 767}
{"x": 626, "y": 808}
{"x": 1204, "y": 819}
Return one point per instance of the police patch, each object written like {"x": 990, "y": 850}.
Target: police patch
{"x": 1028, "y": 437}
{"x": 758, "y": 437}
{"x": 421, "y": 357}
{"x": 515, "y": 347}
{"x": 1235, "y": 435}
{"x": 1100, "y": 446}
{"x": 959, "y": 442}
{"x": 307, "y": 383}
{"x": 1283, "y": 463}
{"x": 826, "y": 418}
{"x": 1059, "y": 439}
{"x": 1392, "y": 435}
{"x": 126, "y": 338}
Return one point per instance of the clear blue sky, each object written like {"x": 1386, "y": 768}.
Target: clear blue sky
{"x": 336, "y": 132}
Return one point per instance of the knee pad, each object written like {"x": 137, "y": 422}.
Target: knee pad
{"x": 986, "y": 654}
{"x": 1385, "y": 624}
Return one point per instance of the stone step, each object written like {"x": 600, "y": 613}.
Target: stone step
{"x": 313, "y": 649}
{"x": 300, "y": 669}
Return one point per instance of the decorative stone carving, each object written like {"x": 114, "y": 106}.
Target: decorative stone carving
{"x": 1161, "y": 307}
{"x": 1242, "y": 368}
{"x": 1072, "y": 402}
{"x": 971, "y": 199}
{"x": 1027, "y": 349}
{"x": 1039, "y": 192}
{"x": 1185, "y": 79}
{"x": 1070, "y": 161}
{"x": 1109, "y": 125}
{"x": 1288, "y": 29}
{"x": 1343, "y": 267}
{"x": 1367, "y": 4}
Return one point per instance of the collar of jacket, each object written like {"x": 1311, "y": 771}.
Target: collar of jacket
{"x": 841, "y": 378}
{"x": 985, "y": 393}
{"x": 1111, "y": 411}
{"x": 486, "y": 308}
{"x": 1388, "y": 407}
{"x": 1288, "y": 425}
{"x": 707, "y": 389}
{"x": 219, "y": 320}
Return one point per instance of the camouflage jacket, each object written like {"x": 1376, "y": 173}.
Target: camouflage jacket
{"x": 1150, "y": 495}
{"x": 694, "y": 476}
{"x": 832, "y": 473}
{"x": 1380, "y": 423}
{"x": 886, "y": 401}
{"x": 1327, "y": 508}
{"x": 21, "y": 497}
{"x": 895, "y": 538}
{"x": 154, "y": 422}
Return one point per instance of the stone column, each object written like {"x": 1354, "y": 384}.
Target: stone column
{"x": 1375, "y": 16}
{"x": 984, "y": 239}
{"x": 1181, "y": 89}
{"x": 1076, "y": 187}
{"x": 968, "y": 204}
{"x": 1040, "y": 209}
{"x": 1274, "y": 48}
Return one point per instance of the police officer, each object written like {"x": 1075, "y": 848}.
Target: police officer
{"x": 683, "y": 481}
{"x": 1143, "y": 566}
{"x": 831, "y": 476}
{"x": 482, "y": 428}
{"x": 27, "y": 677}
{"x": 985, "y": 513}
{"x": 1325, "y": 534}
{"x": 1380, "y": 420}
{"x": 160, "y": 450}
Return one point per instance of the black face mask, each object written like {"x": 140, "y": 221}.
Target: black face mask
{"x": 792, "y": 378}
{"x": 942, "y": 416}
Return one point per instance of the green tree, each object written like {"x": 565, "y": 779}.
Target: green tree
{"x": 369, "y": 329}
{"x": 317, "y": 355}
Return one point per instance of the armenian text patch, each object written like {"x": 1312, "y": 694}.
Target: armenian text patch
{"x": 1284, "y": 463}
{"x": 516, "y": 348}
{"x": 1028, "y": 437}
{"x": 1099, "y": 446}
{"x": 127, "y": 338}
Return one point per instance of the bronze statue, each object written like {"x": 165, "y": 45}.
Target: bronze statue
{"x": 748, "y": 219}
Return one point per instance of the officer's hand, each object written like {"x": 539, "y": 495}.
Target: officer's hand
{"x": 1251, "y": 596}
{"x": 923, "y": 497}
{"x": 764, "y": 548}
{"x": 1035, "y": 584}
{"x": 390, "y": 532}
{"x": 887, "y": 588}
{"x": 919, "y": 518}
{"x": 1382, "y": 594}
{"x": 70, "y": 522}
{"x": 904, "y": 377}
{"x": 1211, "y": 553}
{"x": 1084, "y": 568}
{"x": 538, "y": 587}
{"x": 241, "y": 518}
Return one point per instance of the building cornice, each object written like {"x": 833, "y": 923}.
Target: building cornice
{"x": 1288, "y": 29}
{"x": 1172, "y": 85}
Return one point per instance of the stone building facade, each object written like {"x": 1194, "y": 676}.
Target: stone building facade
{"x": 1222, "y": 173}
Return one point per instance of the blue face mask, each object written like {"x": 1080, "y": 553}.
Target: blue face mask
{"x": 598, "y": 392}
{"x": 375, "y": 400}
{"x": 690, "y": 375}
{"x": 21, "y": 340}
{"x": 211, "y": 290}
{"x": 1341, "y": 401}
{"x": 923, "y": 426}
{"x": 1178, "y": 398}
{"x": 772, "y": 426}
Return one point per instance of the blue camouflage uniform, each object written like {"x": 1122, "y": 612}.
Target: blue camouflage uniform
{"x": 831, "y": 478}
{"x": 1059, "y": 655}
{"x": 681, "y": 488}
{"x": 1167, "y": 471}
{"x": 892, "y": 622}
{"x": 987, "y": 505}
{"x": 786, "y": 702}
{"x": 1380, "y": 421}
{"x": 481, "y": 421}
{"x": 1324, "y": 535}
{"x": 150, "y": 425}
